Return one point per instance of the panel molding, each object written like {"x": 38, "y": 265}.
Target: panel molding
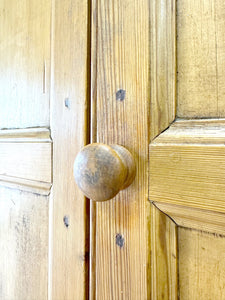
{"x": 194, "y": 218}
{"x": 35, "y": 187}
{"x": 25, "y": 159}
{"x": 187, "y": 165}
{"x": 29, "y": 161}
{"x": 38, "y": 134}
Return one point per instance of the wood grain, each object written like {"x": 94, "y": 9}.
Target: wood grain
{"x": 200, "y": 58}
{"x": 25, "y": 63}
{"x": 120, "y": 87}
{"x": 202, "y": 132}
{"x": 33, "y": 186}
{"x": 189, "y": 171}
{"x": 199, "y": 219}
{"x": 101, "y": 171}
{"x": 25, "y": 135}
{"x": 164, "y": 260}
{"x": 69, "y": 212}
{"x": 162, "y": 64}
{"x": 23, "y": 245}
{"x": 201, "y": 265}
{"x": 30, "y": 161}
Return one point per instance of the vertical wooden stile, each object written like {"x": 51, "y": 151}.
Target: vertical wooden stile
{"x": 69, "y": 224}
{"x": 164, "y": 258}
{"x": 120, "y": 114}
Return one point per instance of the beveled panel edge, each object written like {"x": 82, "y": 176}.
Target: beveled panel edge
{"x": 35, "y": 187}
{"x": 193, "y": 131}
{"x": 37, "y": 134}
{"x": 194, "y": 218}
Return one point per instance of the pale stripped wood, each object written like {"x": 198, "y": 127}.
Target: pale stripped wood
{"x": 199, "y": 219}
{"x": 164, "y": 283}
{"x": 25, "y": 135}
{"x": 33, "y": 186}
{"x": 23, "y": 245}
{"x": 201, "y": 58}
{"x": 30, "y": 161}
{"x": 190, "y": 172}
{"x": 121, "y": 61}
{"x": 68, "y": 253}
{"x": 162, "y": 64}
{"x": 201, "y": 265}
{"x": 24, "y": 63}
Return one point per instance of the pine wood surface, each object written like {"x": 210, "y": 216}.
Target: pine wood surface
{"x": 25, "y": 28}
{"x": 23, "y": 245}
{"x": 69, "y": 211}
{"x": 189, "y": 170}
{"x": 201, "y": 265}
{"x": 163, "y": 281}
{"x": 199, "y": 219}
{"x": 120, "y": 87}
{"x": 30, "y": 135}
{"x": 26, "y": 160}
{"x": 162, "y": 65}
{"x": 200, "y": 58}
{"x": 164, "y": 260}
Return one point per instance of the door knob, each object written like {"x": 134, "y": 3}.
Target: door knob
{"x": 101, "y": 171}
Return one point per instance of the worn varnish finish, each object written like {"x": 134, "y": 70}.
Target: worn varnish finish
{"x": 101, "y": 171}
{"x": 189, "y": 167}
{"x": 162, "y": 113}
{"x": 25, "y": 153}
{"x": 25, "y": 63}
{"x": 120, "y": 61}
{"x": 200, "y": 219}
{"x": 201, "y": 265}
{"x": 164, "y": 282}
{"x": 68, "y": 239}
{"x": 162, "y": 64}
{"x": 200, "y": 58}
{"x": 23, "y": 245}
{"x": 32, "y": 160}
{"x": 37, "y": 261}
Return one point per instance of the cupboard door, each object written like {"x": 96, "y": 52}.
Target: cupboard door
{"x": 186, "y": 161}
{"x": 44, "y": 224}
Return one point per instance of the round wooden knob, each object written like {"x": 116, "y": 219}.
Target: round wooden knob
{"x": 101, "y": 171}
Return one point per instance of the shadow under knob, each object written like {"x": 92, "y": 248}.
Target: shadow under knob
{"x": 101, "y": 171}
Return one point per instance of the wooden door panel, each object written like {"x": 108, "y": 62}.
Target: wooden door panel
{"x": 25, "y": 183}
{"x": 44, "y": 123}
{"x": 187, "y": 165}
{"x": 25, "y": 29}
{"x": 200, "y": 58}
{"x": 201, "y": 265}
{"x": 28, "y": 160}
{"x": 23, "y": 244}
{"x": 186, "y": 169}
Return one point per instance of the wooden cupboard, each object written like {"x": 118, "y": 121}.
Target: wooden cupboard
{"x": 145, "y": 74}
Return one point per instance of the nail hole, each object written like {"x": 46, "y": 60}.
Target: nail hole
{"x": 120, "y": 240}
{"x": 66, "y": 221}
{"x": 67, "y": 103}
{"x": 120, "y": 95}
